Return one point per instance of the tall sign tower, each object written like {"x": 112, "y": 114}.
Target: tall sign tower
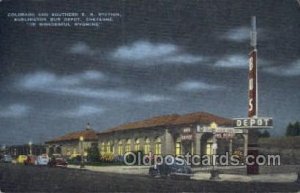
{"x": 252, "y": 91}
{"x": 253, "y": 122}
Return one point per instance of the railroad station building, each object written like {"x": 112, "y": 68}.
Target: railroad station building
{"x": 168, "y": 134}
{"x": 174, "y": 134}
{"x": 70, "y": 144}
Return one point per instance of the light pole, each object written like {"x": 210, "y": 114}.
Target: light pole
{"x": 4, "y": 148}
{"x": 30, "y": 147}
{"x": 81, "y": 139}
{"x": 214, "y": 173}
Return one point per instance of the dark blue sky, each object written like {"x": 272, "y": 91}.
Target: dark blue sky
{"x": 160, "y": 57}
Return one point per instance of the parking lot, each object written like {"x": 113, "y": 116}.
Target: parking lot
{"x": 19, "y": 178}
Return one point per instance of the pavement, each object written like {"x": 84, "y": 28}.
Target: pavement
{"x": 20, "y": 178}
{"x": 203, "y": 173}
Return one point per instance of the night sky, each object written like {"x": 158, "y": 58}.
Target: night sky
{"x": 160, "y": 57}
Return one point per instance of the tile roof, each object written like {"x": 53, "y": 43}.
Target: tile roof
{"x": 165, "y": 120}
{"x": 152, "y": 122}
{"x": 174, "y": 119}
{"x": 88, "y": 135}
{"x": 203, "y": 118}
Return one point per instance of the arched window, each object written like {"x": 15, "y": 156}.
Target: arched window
{"x": 120, "y": 148}
{"x": 103, "y": 147}
{"x": 137, "y": 146}
{"x": 110, "y": 147}
{"x": 147, "y": 146}
{"x": 209, "y": 149}
{"x": 178, "y": 146}
{"x": 157, "y": 146}
{"x": 128, "y": 145}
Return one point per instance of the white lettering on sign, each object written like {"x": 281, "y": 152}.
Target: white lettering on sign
{"x": 250, "y": 63}
{"x": 253, "y": 122}
{"x": 186, "y": 137}
{"x": 187, "y": 130}
{"x": 251, "y": 84}
{"x": 250, "y": 104}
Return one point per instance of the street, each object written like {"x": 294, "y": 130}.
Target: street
{"x": 18, "y": 178}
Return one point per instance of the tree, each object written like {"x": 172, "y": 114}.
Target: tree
{"x": 93, "y": 154}
{"x": 293, "y": 129}
{"x": 265, "y": 134}
{"x": 297, "y": 128}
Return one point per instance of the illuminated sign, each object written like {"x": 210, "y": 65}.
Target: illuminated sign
{"x": 186, "y": 130}
{"x": 252, "y": 108}
{"x": 186, "y": 134}
{"x": 186, "y": 137}
{"x": 246, "y": 123}
{"x": 225, "y": 135}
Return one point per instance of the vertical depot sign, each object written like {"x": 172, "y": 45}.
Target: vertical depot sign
{"x": 252, "y": 108}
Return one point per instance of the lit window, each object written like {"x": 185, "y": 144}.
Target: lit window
{"x": 110, "y": 147}
{"x": 178, "y": 146}
{"x": 147, "y": 146}
{"x": 137, "y": 145}
{"x": 103, "y": 147}
{"x": 209, "y": 150}
{"x": 128, "y": 146}
{"x": 120, "y": 148}
{"x": 157, "y": 146}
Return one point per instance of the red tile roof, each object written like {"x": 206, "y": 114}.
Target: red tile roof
{"x": 152, "y": 122}
{"x": 174, "y": 119}
{"x": 203, "y": 118}
{"x": 87, "y": 134}
{"x": 165, "y": 120}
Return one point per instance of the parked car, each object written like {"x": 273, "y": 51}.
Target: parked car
{"x": 21, "y": 159}
{"x": 57, "y": 161}
{"x": 179, "y": 169}
{"x": 42, "y": 160}
{"x": 31, "y": 160}
{"x": 6, "y": 158}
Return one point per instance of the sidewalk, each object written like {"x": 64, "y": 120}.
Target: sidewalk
{"x": 137, "y": 170}
{"x": 270, "y": 178}
{"x": 200, "y": 173}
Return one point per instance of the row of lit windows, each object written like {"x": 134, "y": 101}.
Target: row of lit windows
{"x": 109, "y": 147}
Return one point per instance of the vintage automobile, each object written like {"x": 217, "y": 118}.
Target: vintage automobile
{"x": 57, "y": 161}
{"x": 31, "y": 160}
{"x": 42, "y": 160}
{"x": 178, "y": 170}
{"x": 21, "y": 158}
{"x": 6, "y": 158}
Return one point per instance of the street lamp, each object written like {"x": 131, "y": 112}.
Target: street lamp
{"x": 214, "y": 173}
{"x": 4, "y": 149}
{"x": 81, "y": 139}
{"x": 30, "y": 147}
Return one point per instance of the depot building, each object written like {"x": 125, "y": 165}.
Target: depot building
{"x": 174, "y": 134}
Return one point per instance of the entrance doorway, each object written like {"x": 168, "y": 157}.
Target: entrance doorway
{"x": 206, "y": 144}
{"x": 187, "y": 147}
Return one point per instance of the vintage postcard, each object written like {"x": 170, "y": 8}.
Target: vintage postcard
{"x": 149, "y": 96}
